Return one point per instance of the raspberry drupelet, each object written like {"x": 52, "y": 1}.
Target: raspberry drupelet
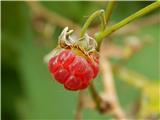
{"x": 73, "y": 71}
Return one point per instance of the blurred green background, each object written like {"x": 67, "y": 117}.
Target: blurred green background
{"x": 28, "y": 91}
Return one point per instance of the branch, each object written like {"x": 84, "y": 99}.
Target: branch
{"x": 109, "y": 88}
{"x": 50, "y": 16}
{"x": 129, "y": 19}
{"x": 78, "y": 115}
{"x": 108, "y": 102}
{"x": 84, "y": 101}
{"x": 97, "y": 98}
{"x": 132, "y": 45}
{"x": 131, "y": 77}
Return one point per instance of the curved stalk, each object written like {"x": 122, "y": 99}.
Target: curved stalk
{"x": 129, "y": 19}
{"x": 109, "y": 10}
{"x": 100, "y": 13}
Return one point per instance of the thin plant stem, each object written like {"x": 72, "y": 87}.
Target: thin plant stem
{"x": 100, "y": 13}
{"x": 78, "y": 115}
{"x": 97, "y": 99}
{"x": 129, "y": 19}
{"x": 109, "y": 10}
{"x": 103, "y": 20}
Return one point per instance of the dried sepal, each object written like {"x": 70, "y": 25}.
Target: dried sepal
{"x": 86, "y": 44}
{"x": 65, "y": 40}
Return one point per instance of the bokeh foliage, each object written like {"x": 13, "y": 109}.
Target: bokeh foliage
{"x": 28, "y": 90}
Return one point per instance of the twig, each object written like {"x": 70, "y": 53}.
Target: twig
{"x": 50, "y": 16}
{"x": 129, "y": 19}
{"x": 84, "y": 101}
{"x": 109, "y": 101}
{"x": 133, "y": 44}
{"x": 131, "y": 77}
{"x": 96, "y": 97}
{"x": 78, "y": 115}
{"x": 110, "y": 92}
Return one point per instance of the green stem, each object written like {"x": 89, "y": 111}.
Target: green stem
{"x": 129, "y": 19}
{"x": 109, "y": 10}
{"x": 100, "y": 13}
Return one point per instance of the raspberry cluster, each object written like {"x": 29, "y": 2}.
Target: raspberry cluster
{"x": 73, "y": 71}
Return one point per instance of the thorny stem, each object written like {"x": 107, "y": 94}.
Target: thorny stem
{"x": 129, "y": 19}
{"x": 100, "y": 13}
{"x": 109, "y": 10}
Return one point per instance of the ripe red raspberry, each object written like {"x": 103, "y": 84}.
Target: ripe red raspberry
{"x": 73, "y": 71}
